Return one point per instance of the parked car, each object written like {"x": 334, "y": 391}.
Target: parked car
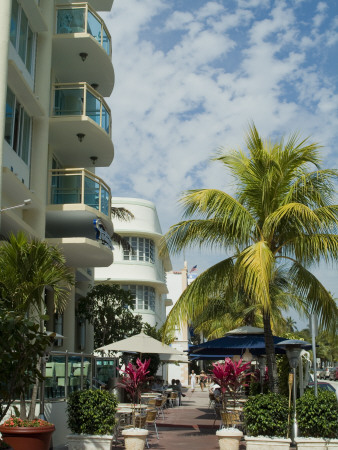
{"x": 333, "y": 374}
{"x": 324, "y": 374}
{"x": 325, "y": 386}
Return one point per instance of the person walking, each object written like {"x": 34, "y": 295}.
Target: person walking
{"x": 192, "y": 380}
{"x": 203, "y": 380}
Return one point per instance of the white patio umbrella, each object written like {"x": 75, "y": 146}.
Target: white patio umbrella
{"x": 141, "y": 343}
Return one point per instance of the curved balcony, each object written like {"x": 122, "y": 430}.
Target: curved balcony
{"x": 81, "y": 45}
{"x": 78, "y": 217}
{"x": 80, "y": 126}
{"x": 79, "y": 186}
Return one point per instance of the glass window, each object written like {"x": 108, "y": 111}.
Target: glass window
{"x": 104, "y": 201}
{"x": 71, "y": 21}
{"x": 10, "y": 114}
{"x": 14, "y": 22}
{"x": 30, "y": 49}
{"x": 93, "y": 108}
{"x": 68, "y": 102}
{"x": 144, "y": 296}
{"x": 18, "y": 127}
{"x": 94, "y": 27}
{"x": 105, "y": 41}
{"x": 142, "y": 249}
{"x": 22, "y": 37}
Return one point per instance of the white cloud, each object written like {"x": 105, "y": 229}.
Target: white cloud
{"x": 188, "y": 80}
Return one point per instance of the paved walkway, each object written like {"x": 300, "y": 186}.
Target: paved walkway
{"x": 191, "y": 426}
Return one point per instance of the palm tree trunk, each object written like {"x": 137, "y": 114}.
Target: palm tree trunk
{"x": 270, "y": 353}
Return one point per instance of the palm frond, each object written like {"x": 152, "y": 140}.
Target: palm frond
{"x": 121, "y": 213}
{"x": 315, "y": 296}
{"x": 254, "y": 269}
{"x": 195, "y": 297}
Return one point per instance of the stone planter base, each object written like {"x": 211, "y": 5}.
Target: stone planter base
{"x": 89, "y": 442}
{"x": 265, "y": 443}
{"x": 135, "y": 438}
{"x": 316, "y": 444}
{"x": 228, "y": 438}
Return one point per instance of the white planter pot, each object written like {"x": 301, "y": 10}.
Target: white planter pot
{"x": 89, "y": 442}
{"x": 228, "y": 438}
{"x": 316, "y": 444}
{"x": 135, "y": 438}
{"x": 266, "y": 443}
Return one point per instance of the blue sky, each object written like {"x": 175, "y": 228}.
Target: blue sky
{"x": 191, "y": 75}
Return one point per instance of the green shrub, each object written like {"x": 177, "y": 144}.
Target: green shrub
{"x": 266, "y": 415}
{"x": 91, "y": 412}
{"x": 317, "y": 416}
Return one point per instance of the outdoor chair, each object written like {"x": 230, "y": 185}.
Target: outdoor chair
{"x": 172, "y": 398}
{"x": 163, "y": 405}
{"x": 212, "y": 399}
{"x": 151, "y": 419}
{"x": 231, "y": 418}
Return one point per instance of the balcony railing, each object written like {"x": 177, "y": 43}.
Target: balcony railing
{"x": 80, "y": 99}
{"x": 69, "y": 186}
{"x": 81, "y": 18}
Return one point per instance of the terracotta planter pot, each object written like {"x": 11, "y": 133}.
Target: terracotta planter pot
{"x": 228, "y": 438}
{"x": 316, "y": 444}
{"x": 27, "y": 438}
{"x": 89, "y": 442}
{"x": 265, "y": 443}
{"x": 135, "y": 438}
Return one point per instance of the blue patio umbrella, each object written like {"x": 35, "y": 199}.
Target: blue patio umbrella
{"x": 235, "y": 343}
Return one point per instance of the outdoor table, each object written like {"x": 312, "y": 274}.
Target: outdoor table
{"x": 130, "y": 406}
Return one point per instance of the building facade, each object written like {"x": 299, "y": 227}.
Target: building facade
{"x": 56, "y": 70}
{"x": 177, "y": 282}
{"x": 141, "y": 270}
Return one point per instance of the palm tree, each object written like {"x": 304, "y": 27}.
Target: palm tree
{"x": 26, "y": 268}
{"x": 290, "y": 324}
{"x": 281, "y": 216}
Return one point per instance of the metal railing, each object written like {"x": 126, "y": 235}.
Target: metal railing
{"x": 80, "y": 99}
{"x": 81, "y": 18}
{"x": 70, "y": 186}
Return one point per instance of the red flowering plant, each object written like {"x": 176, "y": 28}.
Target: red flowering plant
{"x": 231, "y": 377}
{"x": 134, "y": 379}
{"x": 14, "y": 421}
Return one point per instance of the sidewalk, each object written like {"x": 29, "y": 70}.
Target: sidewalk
{"x": 191, "y": 426}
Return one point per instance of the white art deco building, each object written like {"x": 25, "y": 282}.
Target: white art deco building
{"x": 56, "y": 69}
{"x": 142, "y": 271}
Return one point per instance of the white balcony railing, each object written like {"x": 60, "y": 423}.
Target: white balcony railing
{"x": 81, "y": 18}
{"x": 80, "y": 99}
{"x": 70, "y": 186}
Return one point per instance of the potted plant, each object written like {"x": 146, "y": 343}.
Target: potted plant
{"x": 231, "y": 378}
{"x": 91, "y": 418}
{"x": 133, "y": 381}
{"x": 266, "y": 422}
{"x": 317, "y": 419}
{"x": 27, "y": 434}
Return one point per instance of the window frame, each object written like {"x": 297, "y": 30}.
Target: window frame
{"x": 20, "y": 138}
{"x": 18, "y": 42}
{"x": 143, "y": 249}
{"x": 139, "y": 292}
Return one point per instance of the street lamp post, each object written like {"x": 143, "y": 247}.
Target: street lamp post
{"x": 293, "y": 349}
